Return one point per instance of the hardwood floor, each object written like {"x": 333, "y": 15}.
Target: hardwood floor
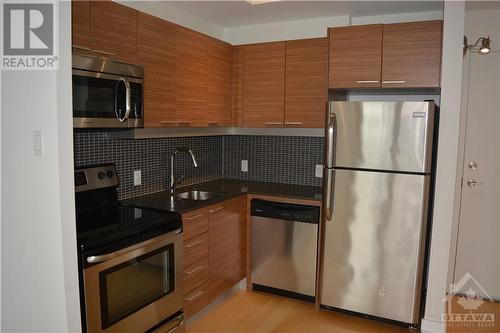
{"x": 253, "y": 312}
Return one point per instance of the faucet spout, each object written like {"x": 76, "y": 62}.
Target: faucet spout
{"x": 187, "y": 150}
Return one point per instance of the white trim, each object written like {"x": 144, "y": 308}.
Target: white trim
{"x": 431, "y": 326}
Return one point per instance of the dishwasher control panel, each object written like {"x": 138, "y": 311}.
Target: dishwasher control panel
{"x": 285, "y": 211}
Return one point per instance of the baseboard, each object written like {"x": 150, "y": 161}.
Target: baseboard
{"x": 432, "y": 326}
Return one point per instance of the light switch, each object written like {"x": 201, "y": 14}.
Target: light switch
{"x": 319, "y": 171}
{"x": 244, "y": 165}
{"x": 137, "y": 178}
{"x": 38, "y": 148}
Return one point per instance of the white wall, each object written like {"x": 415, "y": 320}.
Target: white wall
{"x": 38, "y": 239}
{"x": 172, "y": 14}
{"x": 444, "y": 203}
{"x": 310, "y": 28}
{"x": 480, "y": 23}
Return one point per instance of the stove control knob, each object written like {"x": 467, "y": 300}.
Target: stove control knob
{"x": 101, "y": 175}
{"x": 110, "y": 174}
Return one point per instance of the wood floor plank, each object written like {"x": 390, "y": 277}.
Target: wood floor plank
{"x": 249, "y": 312}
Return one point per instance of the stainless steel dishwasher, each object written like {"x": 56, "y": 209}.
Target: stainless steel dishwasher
{"x": 284, "y": 248}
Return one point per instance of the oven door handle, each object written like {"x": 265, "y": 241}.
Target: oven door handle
{"x": 171, "y": 326}
{"x": 111, "y": 255}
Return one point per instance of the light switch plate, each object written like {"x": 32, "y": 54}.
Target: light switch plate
{"x": 319, "y": 171}
{"x": 137, "y": 178}
{"x": 38, "y": 144}
{"x": 244, "y": 165}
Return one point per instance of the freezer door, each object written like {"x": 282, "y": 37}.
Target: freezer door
{"x": 394, "y": 136}
{"x": 374, "y": 242}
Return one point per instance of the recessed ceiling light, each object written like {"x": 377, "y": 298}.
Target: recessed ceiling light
{"x": 260, "y": 2}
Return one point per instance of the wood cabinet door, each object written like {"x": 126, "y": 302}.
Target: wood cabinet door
{"x": 264, "y": 85}
{"x": 220, "y": 83}
{"x": 412, "y": 54}
{"x": 113, "y": 30}
{"x": 305, "y": 83}
{"x": 80, "y": 24}
{"x": 226, "y": 246}
{"x": 355, "y": 59}
{"x": 238, "y": 86}
{"x": 192, "y": 78}
{"x": 156, "y": 50}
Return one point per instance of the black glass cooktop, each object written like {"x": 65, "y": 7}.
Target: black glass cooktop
{"x": 115, "y": 222}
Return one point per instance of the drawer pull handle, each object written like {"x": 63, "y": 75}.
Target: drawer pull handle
{"x": 194, "y": 244}
{"x": 216, "y": 209}
{"x": 293, "y": 123}
{"x": 193, "y": 217}
{"x": 394, "y": 82}
{"x": 367, "y": 81}
{"x": 195, "y": 296}
{"x": 194, "y": 270}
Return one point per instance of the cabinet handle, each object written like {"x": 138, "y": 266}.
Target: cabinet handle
{"x": 367, "y": 81}
{"x": 271, "y": 123}
{"x": 194, "y": 244}
{"x": 216, "y": 209}
{"x": 195, "y": 296}
{"x": 394, "y": 82}
{"x": 193, "y": 217}
{"x": 82, "y": 48}
{"x": 103, "y": 52}
{"x": 194, "y": 270}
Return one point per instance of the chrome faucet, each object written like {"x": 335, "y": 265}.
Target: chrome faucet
{"x": 173, "y": 182}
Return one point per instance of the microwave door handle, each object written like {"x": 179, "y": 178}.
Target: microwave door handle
{"x": 127, "y": 99}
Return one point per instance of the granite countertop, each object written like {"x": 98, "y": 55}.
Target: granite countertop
{"x": 224, "y": 189}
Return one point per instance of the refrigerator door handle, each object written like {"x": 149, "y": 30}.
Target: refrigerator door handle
{"x": 329, "y": 193}
{"x": 331, "y": 138}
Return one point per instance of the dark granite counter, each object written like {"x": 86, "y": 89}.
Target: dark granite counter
{"x": 223, "y": 189}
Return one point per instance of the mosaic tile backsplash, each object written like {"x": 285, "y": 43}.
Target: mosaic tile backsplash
{"x": 288, "y": 160}
{"x": 277, "y": 159}
{"x": 152, "y": 157}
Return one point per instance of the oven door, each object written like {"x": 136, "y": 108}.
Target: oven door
{"x": 106, "y": 100}
{"x": 136, "y": 288}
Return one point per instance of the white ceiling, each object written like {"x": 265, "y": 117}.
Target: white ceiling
{"x": 227, "y": 14}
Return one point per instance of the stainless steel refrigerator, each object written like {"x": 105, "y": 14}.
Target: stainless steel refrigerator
{"x": 377, "y": 178}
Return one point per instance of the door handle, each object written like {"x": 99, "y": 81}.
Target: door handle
{"x": 367, "y": 81}
{"x": 329, "y": 193}
{"x": 216, "y": 209}
{"x": 393, "y": 82}
{"x": 473, "y": 183}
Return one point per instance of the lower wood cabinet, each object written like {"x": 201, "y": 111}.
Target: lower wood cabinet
{"x": 214, "y": 252}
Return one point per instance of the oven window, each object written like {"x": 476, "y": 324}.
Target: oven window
{"x": 132, "y": 285}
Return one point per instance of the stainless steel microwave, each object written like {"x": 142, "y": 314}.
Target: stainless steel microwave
{"x": 107, "y": 93}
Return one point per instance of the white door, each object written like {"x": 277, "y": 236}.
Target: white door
{"x": 478, "y": 247}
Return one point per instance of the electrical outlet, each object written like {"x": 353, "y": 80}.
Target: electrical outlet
{"x": 244, "y": 165}
{"x": 319, "y": 171}
{"x": 137, "y": 178}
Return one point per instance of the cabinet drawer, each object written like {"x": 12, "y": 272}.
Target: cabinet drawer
{"x": 195, "y": 223}
{"x": 195, "y": 275}
{"x": 195, "y": 300}
{"x": 195, "y": 249}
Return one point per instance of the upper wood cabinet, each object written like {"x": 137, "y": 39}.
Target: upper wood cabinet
{"x": 80, "y": 15}
{"x": 192, "y": 78}
{"x": 412, "y": 54}
{"x": 238, "y": 86}
{"x": 264, "y": 85}
{"x": 220, "y": 83}
{"x": 305, "y": 83}
{"x": 355, "y": 56}
{"x": 113, "y": 30}
{"x": 401, "y": 55}
{"x": 156, "y": 50}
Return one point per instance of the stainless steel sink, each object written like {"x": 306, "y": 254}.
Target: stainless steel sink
{"x": 196, "y": 195}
